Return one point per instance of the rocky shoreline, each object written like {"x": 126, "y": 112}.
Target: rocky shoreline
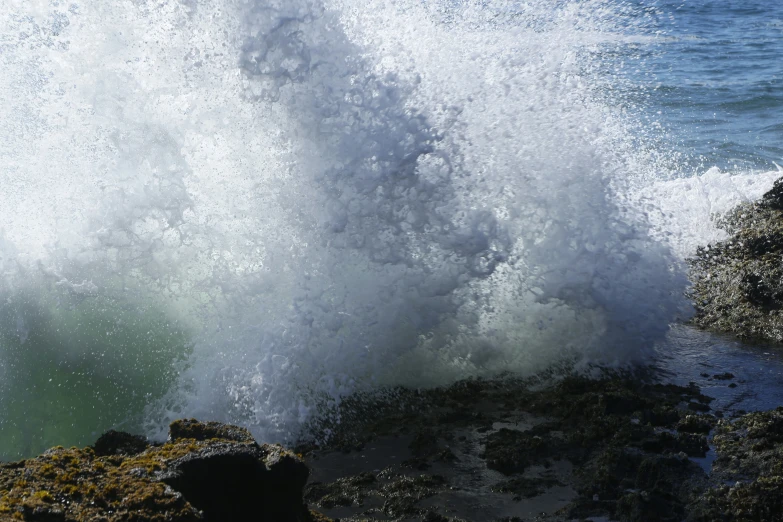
{"x": 618, "y": 447}
{"x": 615, "y": 448}
{"x": 204, "y": 471}
{"x": 623, "y": 447}
{"x": 738, "y": 283}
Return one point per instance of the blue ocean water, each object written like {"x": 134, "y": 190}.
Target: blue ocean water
{"x": 714, "y": 79}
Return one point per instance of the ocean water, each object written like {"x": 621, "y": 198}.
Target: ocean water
{"x": 715, "y": 82}
{"x": 246, "y": 210}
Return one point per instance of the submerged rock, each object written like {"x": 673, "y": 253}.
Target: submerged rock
{"x": 207, "y": 471}
{"x": 738, "y": 283}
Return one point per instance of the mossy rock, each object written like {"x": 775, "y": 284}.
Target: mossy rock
{"x": 222, "y": 476}
{"x": 193, "y": 429}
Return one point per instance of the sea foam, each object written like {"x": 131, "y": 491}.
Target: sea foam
{"x": 309, "y": 198}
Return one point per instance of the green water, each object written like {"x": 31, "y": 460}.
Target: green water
{"x": 73, "y": 367}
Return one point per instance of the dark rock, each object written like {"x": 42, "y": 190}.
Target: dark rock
{"x": 738, "y": 283}
{"x": 241, "y": 482}
{"x": 342, "y": 492}
{"x": 612, "y": 431}
{"x": 403, "y": 494}
{"x": 691, "y": 444}
{"x": 446, "y": 455}
{"x": 511, "y": 451}
{"x": 418, "y": 463}
{"x": 522, "y": 487}
{"x": 750, "y": 456}
{"x": 696, "y": 424}
{"x": 119, "y": 443}
{"x": 758, "y": 501}
{"x": 726, "y": 376}
{"x": 698, "y": 406}
{"x": 774, "y": 198}
{"x": 424, "y": 442}
{"x": 758, "y": 292}
{"x": 432, "y": 516}
{"x": 193, "y": 429}
{"x": 647, "y": 506}
{"x": 184, "y": 480}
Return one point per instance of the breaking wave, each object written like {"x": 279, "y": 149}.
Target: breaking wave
{"x": 243, "y": 210}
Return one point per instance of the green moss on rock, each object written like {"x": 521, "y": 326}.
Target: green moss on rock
{"x": 218, "y": 473}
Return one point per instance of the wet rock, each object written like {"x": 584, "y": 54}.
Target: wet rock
{"x": 647, "y": 506}
{"x": 346, "y": 491}
{"x": 398, "y": 495}
{"x": 738, "y": 283}
{"x": 187, "y": 479}
{"x": 696, "y": 424}
{"x": 432, "y": 516}
{"x": 610, "y": 438}
{"x": 698, "y": 406}
{"x": 691, "y": 444}
{"x": 403, "y": 494}
{"x": 424, "y": 442}
{"x": 757, "y": 501}
{"x": 774, "y": 198}
{"x": 193, "y": 429}
{"x": 512, "y": 451}
{"x": 119, "y": 443}
{"x": 229, "y": 481}
{"x": 446, "y": 455}
{"x": 748, "y": 472}
{"x": 522, "y": 487}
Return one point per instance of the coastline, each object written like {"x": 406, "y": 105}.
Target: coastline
{"x": 630, "y": 446}
{"x": 624, "y": 447}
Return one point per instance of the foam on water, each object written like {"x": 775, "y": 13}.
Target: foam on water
{"x": 684, "y": 211}
{"x": 298, "y": 199}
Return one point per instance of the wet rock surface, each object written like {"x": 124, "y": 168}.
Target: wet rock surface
{"x": 738, "y": 283}
{"x": 206, "y": 471}
{"x": 620, "y": 447}
{"x": 748, "y": 471}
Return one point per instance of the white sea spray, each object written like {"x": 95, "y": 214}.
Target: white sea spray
{"x": 321, "y": 196}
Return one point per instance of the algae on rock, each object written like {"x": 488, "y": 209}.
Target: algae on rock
{"x": 206, "y": 471}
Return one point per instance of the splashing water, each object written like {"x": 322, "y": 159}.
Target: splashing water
{"x": 244, "y": 210}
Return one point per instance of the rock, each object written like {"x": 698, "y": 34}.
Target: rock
{"x": 592, "y": 440}
{"x": 750, "y": 456}
{"x": 774, "y": 198}
{"x": 207, "y": 471}
{"x": 738, "y": 283}
{"x": 404, "y": 493}
{"x": 512, "y": 451}
{"x": 346, "y": 491}
{"x": 193, "y": 429}
{"x": 119, "y": 443}
{"x": 229, "y": 481}
{"x": 522, "y": 487}
{"x": 696, "y": 424}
